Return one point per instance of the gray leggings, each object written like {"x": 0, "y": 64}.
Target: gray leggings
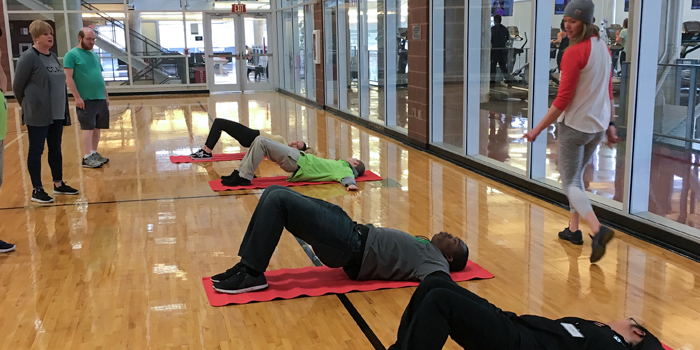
{"x": 575, "y": 151}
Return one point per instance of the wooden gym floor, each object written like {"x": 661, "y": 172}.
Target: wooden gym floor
{"x": 120, "y": 265}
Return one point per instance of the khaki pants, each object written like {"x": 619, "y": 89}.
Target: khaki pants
{"x": 2, "y": 158}
{"x": 286, "y": 157}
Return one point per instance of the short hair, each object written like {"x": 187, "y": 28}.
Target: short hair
{"x": 39, "y": 27}
{"x": 649, "y": 341}
{"x": 81, "y": 33}
{"x": 459, "y": 261}
{"x": 303, "y": 148}
{"x": 497, "y": 19}
{"x": 360, "y": 168}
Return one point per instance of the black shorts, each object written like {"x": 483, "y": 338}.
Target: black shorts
{"x": 95, "y": 115}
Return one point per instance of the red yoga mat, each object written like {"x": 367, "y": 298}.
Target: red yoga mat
{"x": 319, "y": 280}
{"x": 264, "y": 182}
{"x": 666, "y": 347}
{"x": 214, "y": 158}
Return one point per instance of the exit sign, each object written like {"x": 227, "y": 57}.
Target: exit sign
{"x": 238, "y": 8}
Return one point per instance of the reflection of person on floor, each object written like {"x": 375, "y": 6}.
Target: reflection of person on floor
{"x": 243, "y": 134}
{"x": 304, "y": 167}
{"x": 364, "y": 252}
{"x": 439, "y": 308}
{"x": 500, "y": 36}
{"x": 584, "y": 109}
{"x": 498, "y": 147}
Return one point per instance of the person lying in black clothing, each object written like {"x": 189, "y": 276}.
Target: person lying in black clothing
{"x": 440, "y": 308}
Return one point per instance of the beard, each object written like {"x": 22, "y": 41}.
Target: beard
{"x": 84, "y": 46}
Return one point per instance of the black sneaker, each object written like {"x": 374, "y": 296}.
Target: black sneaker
{"x": 242, "y": 282}
{"x": 599, "y": 241}
{"x": 235, "y": 180}
{"x": 201, "y": 154}
{"x": 573, "y": 237}
{"x": 64, "y": 189}
{"x": 39, "y": 195}
{"x": 6, "y": 247}
{"x": 228, "y": 274}
{"x": 234, "y": 172}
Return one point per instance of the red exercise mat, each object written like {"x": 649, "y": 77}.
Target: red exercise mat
{"x": 215, "y": 158}
{"x": 319, "y": 280}
{"x": 666, "y": 347}
{"x": 264, "y": 182}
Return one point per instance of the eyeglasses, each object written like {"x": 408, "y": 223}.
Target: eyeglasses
{"x": 636, "y": 324}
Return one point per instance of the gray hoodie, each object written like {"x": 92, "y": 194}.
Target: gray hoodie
{"x": 33, "y": 92}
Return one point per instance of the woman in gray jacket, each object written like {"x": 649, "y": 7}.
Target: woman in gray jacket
{"x": 40, "y": 88}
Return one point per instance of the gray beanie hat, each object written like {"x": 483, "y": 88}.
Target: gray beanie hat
{"x": 581, "y": 10}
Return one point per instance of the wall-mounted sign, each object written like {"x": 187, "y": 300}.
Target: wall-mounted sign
{"x": 198, "y": 38}
{"x": 416, "y": 32}
{"x": 238, "y": 8}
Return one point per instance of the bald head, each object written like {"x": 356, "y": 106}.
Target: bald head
{"x": 86, "y": 38}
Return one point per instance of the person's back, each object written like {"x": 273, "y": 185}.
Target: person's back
{"x": 312, "y": 168}
{"x": 499, "y": 36}
{"x": 396, "y": 255}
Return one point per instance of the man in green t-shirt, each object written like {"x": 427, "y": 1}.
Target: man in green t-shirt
{"x": 4, "y": 246}
{"x": 304, "y": 167}
{"x": 84, "y": 78}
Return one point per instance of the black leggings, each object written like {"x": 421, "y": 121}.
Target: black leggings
{"x": 51, "y": 135}
{"x": 243, "y": 134}
{"x": 440, "y": 308}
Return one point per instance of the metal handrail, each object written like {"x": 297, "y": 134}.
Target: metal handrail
{"x": 133, "y": 33}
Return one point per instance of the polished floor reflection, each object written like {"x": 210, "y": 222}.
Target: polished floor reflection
{"x": 120, "y": 265}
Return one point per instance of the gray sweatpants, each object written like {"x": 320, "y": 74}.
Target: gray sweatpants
{"x": 286, "y": 157}
{"x": 575, "y": 151}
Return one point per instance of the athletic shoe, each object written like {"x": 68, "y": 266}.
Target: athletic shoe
{"x": 101, "y": 159}
{"x": 64, "y": 189}
{"x": 599, "y": 241}
{"x": 235, "y": 180}
{"x": 242, "y": 282}
{"x": 234, "y": 172}
{"x": 39, "y": 195}
{"x": 201, "y": 154}
{"x": 6, "y": 247}
{"x": 228, "y": 274}
{"x": 92, "y": 162}
{"x": 573, "y": 237}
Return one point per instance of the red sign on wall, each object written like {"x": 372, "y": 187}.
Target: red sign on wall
{"x": 238, "y": 8}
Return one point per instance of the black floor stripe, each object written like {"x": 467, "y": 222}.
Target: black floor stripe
{"x": 364, "y": 327}
{"x": 132, "y": 200}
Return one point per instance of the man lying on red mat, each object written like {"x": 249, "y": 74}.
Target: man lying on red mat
{"x": 440, "y": 308}
{"x": 364, "y": 252}
{"x": 303, "y": 166}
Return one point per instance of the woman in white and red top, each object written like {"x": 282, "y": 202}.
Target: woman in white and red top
{"x": 584, "y": 109}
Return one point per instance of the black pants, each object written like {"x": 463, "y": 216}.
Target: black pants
{"x": 52, "y": 135}
{"x": 331, "y": 233}
{"x": 243, "y": 134}
{"x": 499, "y": 56}
{"x": 440, "y": 308}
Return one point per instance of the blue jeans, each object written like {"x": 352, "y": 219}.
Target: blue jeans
{"x": 324, "y": 226}
{"x": 38, "y": 135}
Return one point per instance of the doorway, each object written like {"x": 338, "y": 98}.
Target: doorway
{"x": 238, "y": 54}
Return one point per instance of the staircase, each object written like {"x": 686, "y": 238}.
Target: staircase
{"x": 148, "y": 68}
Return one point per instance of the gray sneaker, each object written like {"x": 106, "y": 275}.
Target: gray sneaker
{"x": 92, "y": 162}
{"x": 101, "y": 159}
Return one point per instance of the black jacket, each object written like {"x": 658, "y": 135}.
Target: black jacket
{"x": 499, "y": 35}
{"x": 551, "y": 334}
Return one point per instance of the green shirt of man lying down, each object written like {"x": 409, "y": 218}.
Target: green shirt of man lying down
{"x": 319, "y": 169}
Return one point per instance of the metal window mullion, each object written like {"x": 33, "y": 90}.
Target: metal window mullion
{"x": 472, "y": 74}
{"x": 641, "y": 98}
{"x": 538, "y": 98}
{"x": 437, "y": 59}
{"x": 363, "y": 55}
